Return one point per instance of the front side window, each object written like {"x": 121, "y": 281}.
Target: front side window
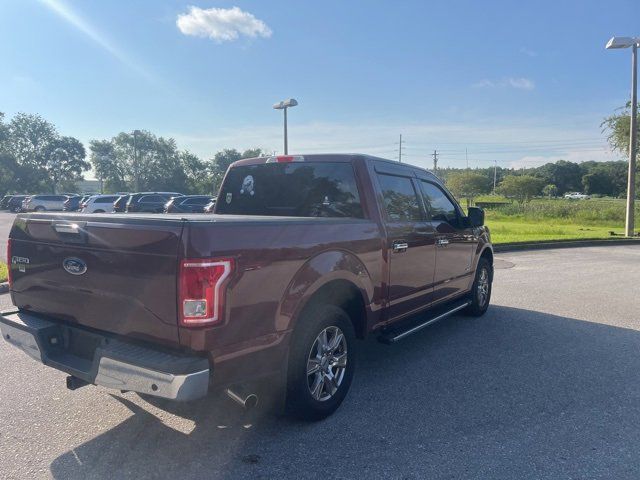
{"x": 438, "y": 204}
{"x": 295, "y": 189}
{"x": 400, "y": 199}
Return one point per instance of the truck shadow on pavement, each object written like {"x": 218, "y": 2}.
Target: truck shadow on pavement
{"x": 514, "y": 394}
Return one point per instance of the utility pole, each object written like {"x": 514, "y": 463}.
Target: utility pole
{"x": 495, "y": 174}
{"x": 435, "y": 162}
{"x": 400, "y": 150}
{"x": 466, "y": 155}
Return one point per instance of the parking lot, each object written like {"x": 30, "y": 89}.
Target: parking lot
{"x": 545, "y": 385}
{"x": 6, "y": 219}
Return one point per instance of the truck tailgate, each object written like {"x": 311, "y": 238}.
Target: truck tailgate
{"x": 115, "y": 273}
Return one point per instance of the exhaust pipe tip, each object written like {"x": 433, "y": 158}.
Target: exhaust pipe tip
{"x": 246, "y": 401}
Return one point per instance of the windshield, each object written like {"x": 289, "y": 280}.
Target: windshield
{"x": 321, "y": 189}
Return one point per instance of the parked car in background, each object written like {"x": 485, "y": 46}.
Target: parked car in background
{"x": 15, "y": 203}
{"x": 4, "y": 203}
{"x": 187, "y": 204}
{"x": 149, "y": 202}
{"x": 72, "y": 204}
{"x": 576, "y": 196}
{"x": 120, "y": 205}
{"x": 99, "y": 204}
{"x": 40, "y": 203}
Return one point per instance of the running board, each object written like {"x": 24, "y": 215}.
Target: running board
{"x": 396, "y": 333}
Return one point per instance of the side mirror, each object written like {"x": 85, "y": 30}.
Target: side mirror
{"x": 475, "y": 216}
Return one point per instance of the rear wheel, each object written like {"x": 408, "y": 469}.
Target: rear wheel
{"x": 481, "y": 290}
{"x": 98, "y": 211}
{"x": 321, "y": 363}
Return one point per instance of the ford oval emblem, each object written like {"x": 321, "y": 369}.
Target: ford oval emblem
{"x": 74, "y": 266}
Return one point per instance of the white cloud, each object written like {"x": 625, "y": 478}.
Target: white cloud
{"x": 520, "y": 83}
{"x": 221, "y": 24}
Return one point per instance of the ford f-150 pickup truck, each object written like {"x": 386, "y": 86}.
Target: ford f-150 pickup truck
{"x": 303, "y": 256}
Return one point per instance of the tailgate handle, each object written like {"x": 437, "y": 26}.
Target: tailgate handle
{"x": 73, "y": 228}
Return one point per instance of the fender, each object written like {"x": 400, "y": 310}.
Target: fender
{"x": 318, "y": 271}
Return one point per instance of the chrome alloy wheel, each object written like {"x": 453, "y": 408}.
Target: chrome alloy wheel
{"x": 482, "y": 290}
{"x": 327, "y": 363}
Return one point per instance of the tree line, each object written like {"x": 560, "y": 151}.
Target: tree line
{"x": 36, "y": 158}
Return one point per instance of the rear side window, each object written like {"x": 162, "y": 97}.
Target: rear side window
{"x": 438, "y": 204}
{"x": 296, "y": 189}
{"x": 151, "y": 199}
{"x": 196, "y": 201}
{"x": 400, "y": 199}
{"x": 105, "y": 200}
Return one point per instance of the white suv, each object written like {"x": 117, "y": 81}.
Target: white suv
{"x": 40, "y": 203}
{"x": 99, "y": 203}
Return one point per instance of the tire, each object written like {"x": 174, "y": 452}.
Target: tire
{"x": 481, "y": 290}
{"x": 98, "y": 211}
{"x": 314, "y": 396}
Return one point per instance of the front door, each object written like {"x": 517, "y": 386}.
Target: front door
{"x": 410, "y": 246}
{"x": 455, "y": 243}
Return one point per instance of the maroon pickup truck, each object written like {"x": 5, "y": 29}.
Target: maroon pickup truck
{"x": 304, "y": 255}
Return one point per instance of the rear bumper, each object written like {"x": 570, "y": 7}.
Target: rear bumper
{"x": 107, "y": 361}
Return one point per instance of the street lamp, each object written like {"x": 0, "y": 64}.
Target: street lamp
{"x": 626, "y": 42}
{"x": 283, "y": 105}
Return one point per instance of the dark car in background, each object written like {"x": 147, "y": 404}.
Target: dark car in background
{"x": 187, "y": 204}
{"x": 120, "y": 205}
{"x": 15, "y": 203}
{"x": 149, "y": 202}
{"x": 72, "y": 204}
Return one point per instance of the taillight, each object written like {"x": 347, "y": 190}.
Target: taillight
{"x": 202, "y": 290}
{"x": 10, "y": 274}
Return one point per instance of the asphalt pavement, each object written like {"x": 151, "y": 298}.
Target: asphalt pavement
{"x": 6, "y": 220}
{"x": 545, "y": 386}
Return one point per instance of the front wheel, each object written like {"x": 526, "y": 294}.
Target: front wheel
{"x": 481, "y": 291}
{"x": 321, "y": 363}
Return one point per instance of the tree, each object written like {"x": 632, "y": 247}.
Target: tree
{"x": 521, "y": 187}
{"x": 567, "y": 176}
{"x": 64, "y": 164}
{"x": 468, "y": 185}
{"x": 550, "y": 190}
{"x": 617, "y": 128}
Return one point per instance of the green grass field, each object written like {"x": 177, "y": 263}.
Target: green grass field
{"x": 3, "y": 272}
{"x": 557, "y": 219}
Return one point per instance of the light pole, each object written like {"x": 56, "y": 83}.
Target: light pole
{"x": 626, "y": 42}
{"x": 284, "y": 105}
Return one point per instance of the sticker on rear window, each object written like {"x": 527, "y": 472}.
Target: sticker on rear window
{"x": 229, "y": 197}
{"x": 247, "y": 185}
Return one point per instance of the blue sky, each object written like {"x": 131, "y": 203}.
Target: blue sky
{"x": 517, "y": 82}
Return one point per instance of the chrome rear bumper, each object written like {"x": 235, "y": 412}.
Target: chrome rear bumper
{"x": 103, "y": 360}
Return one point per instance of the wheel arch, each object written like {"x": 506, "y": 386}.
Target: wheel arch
{"x": 334, "y": 277}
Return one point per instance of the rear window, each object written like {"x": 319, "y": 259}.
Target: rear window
{"x": 296, "y": 189}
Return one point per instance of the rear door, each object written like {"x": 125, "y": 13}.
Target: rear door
{"x": 410, "y": 243}
{"x": 111, "y": 273}
{"x": 455, "y": 242}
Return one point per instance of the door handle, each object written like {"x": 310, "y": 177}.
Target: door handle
{"x": 399, "y": 247}
{"x": 442, "y": 242}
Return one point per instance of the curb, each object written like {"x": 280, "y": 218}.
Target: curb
{"x": 4, "y": 288}
{"x": 515, "y": 247}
